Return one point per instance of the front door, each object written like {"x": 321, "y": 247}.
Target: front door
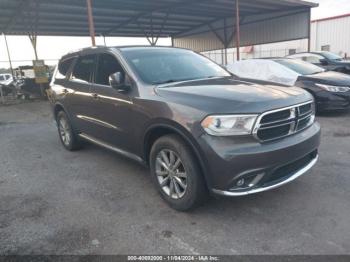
{"x": 112, "y": 108}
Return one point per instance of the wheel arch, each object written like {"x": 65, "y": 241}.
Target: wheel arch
{"x": 158, "y": 130}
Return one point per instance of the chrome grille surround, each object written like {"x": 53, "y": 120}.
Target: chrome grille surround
{"x": 298, "y": 119}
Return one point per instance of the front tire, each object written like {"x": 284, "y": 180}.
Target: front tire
{"x": 66, "y": 133}
{"x": 176, "y": 173}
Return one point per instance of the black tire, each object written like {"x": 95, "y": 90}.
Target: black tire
{"x": 196, "y": 191}
{"x": 73, "y": 143}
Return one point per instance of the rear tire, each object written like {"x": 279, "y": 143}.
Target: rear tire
{"x": 69, "y": 139}
{"x": 176, "y": 173}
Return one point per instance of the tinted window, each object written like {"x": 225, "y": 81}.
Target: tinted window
{"x": 84, "y": 68}
{"x": 300, "y": 67}
{"x": 7, "y": 77}
{"x": 2, "y": 78}
{"x": 162, "y": 65}
{"x": 63, "y": 68}
{"x": 107, "y": 65}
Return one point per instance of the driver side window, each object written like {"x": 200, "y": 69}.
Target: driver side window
{"x": 107, "y": 65}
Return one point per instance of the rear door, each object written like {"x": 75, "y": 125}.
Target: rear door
{"x": 112, "y": 108}
{"x": 79, "y": 94}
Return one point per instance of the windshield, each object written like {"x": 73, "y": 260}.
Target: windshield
{"x": 331, "y": 56}
{"x": 300, "y": 67}
{"x": 166, "y": 65}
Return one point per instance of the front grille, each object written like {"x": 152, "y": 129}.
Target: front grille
{"x": 284, "y": 122}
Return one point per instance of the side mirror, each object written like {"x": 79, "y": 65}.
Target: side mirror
{"x": 117, "y": 81}
{"x": 323, "y": 62}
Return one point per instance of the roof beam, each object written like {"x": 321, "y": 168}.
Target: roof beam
{"x": 166, "y": 7}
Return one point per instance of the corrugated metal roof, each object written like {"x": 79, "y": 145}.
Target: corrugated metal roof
{"x": 159, "y": 18}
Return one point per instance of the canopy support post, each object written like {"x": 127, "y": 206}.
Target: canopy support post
{"x": 226, "y": 43}
{"x": 238, "y": 40}
{"x": 33, "y": 40}
{"x": 91, "y": 22}
{"x": 309, "y": 33}
{"x": 9, "y": 56}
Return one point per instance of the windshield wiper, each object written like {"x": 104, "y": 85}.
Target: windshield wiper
{"x": 181, "y": 80}
{"x": 173, "y": 81}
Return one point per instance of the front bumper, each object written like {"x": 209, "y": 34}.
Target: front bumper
{"x": 291, "y": 178}
{"x": 239, "y": 166}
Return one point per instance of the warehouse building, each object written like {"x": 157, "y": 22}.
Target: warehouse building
{"x": 327, "y": 34}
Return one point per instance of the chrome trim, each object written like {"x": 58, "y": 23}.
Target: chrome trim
{"x": 115, "y": 149}
{"x": 97, "y": 121}
{"x": 258, "y": 125}
{"x": 262, "y": 189}
{"x": 115, "y": 99}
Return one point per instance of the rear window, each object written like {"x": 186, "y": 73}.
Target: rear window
{"x": 84, "y": 68}
{"x": 63, "y": 68}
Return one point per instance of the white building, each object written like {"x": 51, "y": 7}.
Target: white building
{"x": 327, "y": 34}
{"x": 331, "y": 34}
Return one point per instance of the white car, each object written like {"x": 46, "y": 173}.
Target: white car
{"x": 6, "y": 79}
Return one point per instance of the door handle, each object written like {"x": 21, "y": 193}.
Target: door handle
{"x": 95, "y": 96}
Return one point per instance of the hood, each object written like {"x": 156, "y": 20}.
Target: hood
{"x": 6, "y": 82}
{"x": 343, "y": 62}
{"x": 330, "y": 77}
{"x": 226, "y": 95}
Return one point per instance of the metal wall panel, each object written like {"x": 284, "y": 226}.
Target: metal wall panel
{"x": 333, "y": 32}
{"x": 259, "y": 29}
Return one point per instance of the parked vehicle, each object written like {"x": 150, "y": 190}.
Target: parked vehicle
{"x": 5, "y": 79}
{"x": 7, "y": 84}
{"x": 326, "y": 60}
{"x": 197, "y": 128}
{"x": 331, "y": 90}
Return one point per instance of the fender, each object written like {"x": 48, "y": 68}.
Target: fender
{"x": 184, "y": 134}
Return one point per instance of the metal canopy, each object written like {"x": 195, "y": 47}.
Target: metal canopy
{"x": 135, "y": 18}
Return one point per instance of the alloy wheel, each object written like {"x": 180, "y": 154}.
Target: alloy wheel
{"x": 171, "y": 174}
{"x": 64, "y": 131}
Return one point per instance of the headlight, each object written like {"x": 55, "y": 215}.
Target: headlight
{"x": 337, "y": 89}
{"x": 229, "y": 125}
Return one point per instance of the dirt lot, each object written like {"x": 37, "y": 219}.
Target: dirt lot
{"x": 96, "y": 202}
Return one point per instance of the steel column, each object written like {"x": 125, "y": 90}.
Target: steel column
{"x": 9, "y": 56}
{"x": 238, "y": 40}
{"x": 309, "y": 33}
{"x": 91, "y": 22}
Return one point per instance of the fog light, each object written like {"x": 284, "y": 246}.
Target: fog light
{"x": 240, "y": 182}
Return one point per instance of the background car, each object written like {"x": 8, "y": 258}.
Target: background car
{"x": 331, "y": 90}
{"x": 326, "y": 60}
{"x": 7, "y": 84}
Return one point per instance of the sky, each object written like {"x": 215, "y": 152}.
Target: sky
{"x": 52, "y": 48}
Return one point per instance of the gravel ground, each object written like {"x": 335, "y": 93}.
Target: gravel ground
{"x": 96, "y": 202}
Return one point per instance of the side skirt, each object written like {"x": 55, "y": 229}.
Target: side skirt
{"x": 112, "y": 148}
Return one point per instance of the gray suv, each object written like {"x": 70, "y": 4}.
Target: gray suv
{"x": 199, "y": 129}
